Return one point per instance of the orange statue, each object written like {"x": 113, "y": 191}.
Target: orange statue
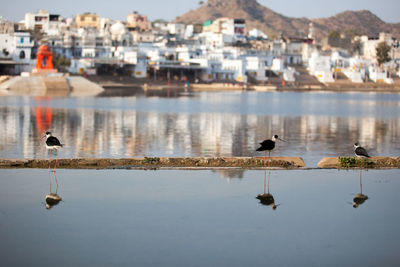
{"x": 44, "y": 58}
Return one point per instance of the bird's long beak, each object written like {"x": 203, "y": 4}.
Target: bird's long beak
{"x": 281, "y": 139}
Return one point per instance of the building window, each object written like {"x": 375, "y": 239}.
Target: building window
{"x": 22, "y": 55}
{"x": 22, "y": 40}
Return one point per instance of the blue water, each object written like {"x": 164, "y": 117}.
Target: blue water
{"x": 315, "y": 124}
{"x": 352, "y": 104}
{"x": 199, "y": 218}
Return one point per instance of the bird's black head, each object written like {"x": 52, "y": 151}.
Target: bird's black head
{"x": 48, "y": 133}
{"x": 356, "y": 144}
{"x": 276, "y": 136}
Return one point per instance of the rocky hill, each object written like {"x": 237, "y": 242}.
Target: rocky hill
{"x": 273, "y": 24}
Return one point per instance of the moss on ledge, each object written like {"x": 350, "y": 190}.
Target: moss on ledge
{"x": 353, "y": 162}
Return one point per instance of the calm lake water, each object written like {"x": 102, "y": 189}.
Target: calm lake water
{"x": 199, "y": 218}
{"x": 315, "y": 124}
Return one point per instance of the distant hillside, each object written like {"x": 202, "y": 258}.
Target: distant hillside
{"x": 362, "y": 22}
{"x": 272, "y": 23}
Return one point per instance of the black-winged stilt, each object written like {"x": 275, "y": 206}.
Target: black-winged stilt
{"x": 360, "y": 151}
{"x": 52, "y": 143}
{"x": 268, "y": 145}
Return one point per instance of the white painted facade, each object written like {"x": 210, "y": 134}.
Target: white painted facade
{"x": 255, "y": 66}
{"x": 257, "y": 34}
{"x": 320, "y": 67}
{"x": 38, "y": 20}
{"x": 368, "y": 45}
{"x": 17, "y": 47}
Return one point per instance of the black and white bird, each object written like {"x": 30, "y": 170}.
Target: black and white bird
{"x": 52, "y": 143}
{"x": 360, "y": 152}
{"x": 269, "y": 144}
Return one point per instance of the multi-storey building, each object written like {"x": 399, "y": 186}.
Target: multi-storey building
{"x": 87, "y": 20}
{"x": 137, "y": 22}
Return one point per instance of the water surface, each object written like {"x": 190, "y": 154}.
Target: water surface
{"x": 199, "y": 218}
{"x": 315, "y": 124}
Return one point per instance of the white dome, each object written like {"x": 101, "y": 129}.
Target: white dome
{"x": 117, "y": 28}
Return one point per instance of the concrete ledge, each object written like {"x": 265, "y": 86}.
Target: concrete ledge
{"x": 353, "y": 162}
{"x": 155, "y": 162}
{"x": 63, "y": 85}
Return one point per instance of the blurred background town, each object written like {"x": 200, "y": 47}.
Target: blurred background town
{"x": 222, "y": 42}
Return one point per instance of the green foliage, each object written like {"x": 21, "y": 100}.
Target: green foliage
{"x": 349, "y": 162}
{"x": 334, "y": 35}
{"x": 356, "y": 47}
{"x": 382, "y": 52}
{"x": 60, "y": 62}
{"x": 151, "y": 160}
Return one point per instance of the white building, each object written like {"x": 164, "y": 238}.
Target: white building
{"x": 320, "y": 67}
{"x": 257, "y": 34}
{"x": 17, "y": 47}
{"x": 177, "y": 29}
{"x": 368, "y": 44}
{"x": 256, "y": 65}
{"x": 225, "y": 30}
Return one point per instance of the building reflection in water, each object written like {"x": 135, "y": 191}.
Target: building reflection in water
{"x": 230, "y": 173}
{"x": 52, "y": 199}
{"x": 89, "y": 132}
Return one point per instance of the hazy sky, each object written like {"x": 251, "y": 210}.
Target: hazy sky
{"x": 14, "y": 10}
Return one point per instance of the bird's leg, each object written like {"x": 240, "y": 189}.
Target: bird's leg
{"x": 265, "y": 159}
{"x": 361, "y": 172}
{"x": 265, "y": 171}
{"x": 50, "y": 180}
{"x": 55, "y": 166}
{"x": 55, "y": 178}
{"x": 269, "y": 168}
{"x": 49, "y": 151}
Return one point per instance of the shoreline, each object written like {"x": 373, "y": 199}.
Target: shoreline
{"x": 149, "y": 85}
{"x": 126, "y": 85}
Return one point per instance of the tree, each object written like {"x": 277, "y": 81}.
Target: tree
{"x": 382, "y": 52}
{"x": 5, "y": 52}
{"x": 355, "y": 47}
{"x": 60, "y": 62}
{"x": 334, "y": 35}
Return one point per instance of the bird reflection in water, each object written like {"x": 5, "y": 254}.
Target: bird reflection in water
{"x": 359, "y": 198}
{"x": 267, "y": 198}
{"x": 52, "y": 199}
